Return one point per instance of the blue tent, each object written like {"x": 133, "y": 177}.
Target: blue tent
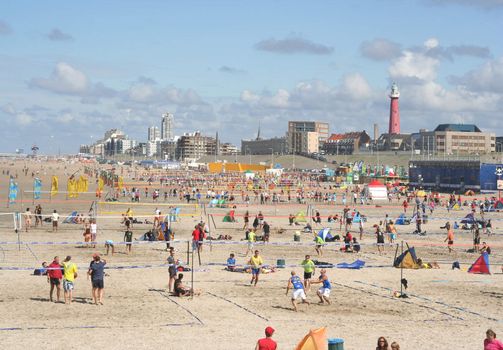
{"x": 402, "y": 220}
{"x": 325, "y": 234}
{"x": 70, "y": 219}
{"x": 356, "y": 265}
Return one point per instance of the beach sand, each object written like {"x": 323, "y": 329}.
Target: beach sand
{"x": 446, "y": 308}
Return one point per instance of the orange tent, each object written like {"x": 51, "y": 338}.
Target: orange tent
{"x": 315, "y": 340}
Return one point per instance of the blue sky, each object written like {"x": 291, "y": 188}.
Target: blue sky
{"x": 73, "y": 70}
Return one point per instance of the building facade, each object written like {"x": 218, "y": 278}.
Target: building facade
{"x": 153, "y": 133}
{"x": 456, "y": 139}
{"x": 301, "y": 134}
{"x": 193, "y": 146}
{"x": 348, "y": 143}
{"x": 167, "y": 126}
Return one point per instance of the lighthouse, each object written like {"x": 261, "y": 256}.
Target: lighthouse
{"x": 394, "y": 111}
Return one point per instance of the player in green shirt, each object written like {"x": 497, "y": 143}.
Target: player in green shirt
{"x": 319, "y": 244}
{"x": 309, "y": 269}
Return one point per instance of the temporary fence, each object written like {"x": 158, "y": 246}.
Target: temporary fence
{"x": 147, "y": 209}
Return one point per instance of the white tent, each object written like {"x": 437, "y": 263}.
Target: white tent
{"x": 377, "y": 190}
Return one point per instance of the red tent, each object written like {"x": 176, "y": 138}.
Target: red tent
{"x": 481, "y": 265}
{"x": 375, "y": 183}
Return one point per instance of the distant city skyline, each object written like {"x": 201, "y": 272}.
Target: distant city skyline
{"x": 71, "y": 71}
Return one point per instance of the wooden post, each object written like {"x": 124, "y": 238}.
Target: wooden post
{"x": 192, "y": 276}
{"x": 188, "y": 252}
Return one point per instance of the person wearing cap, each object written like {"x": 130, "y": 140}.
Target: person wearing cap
{"x": 267, "y": 343}
{"x": 97, "y": 273}
{"x": 298, "y": 290}
{"x": 69, "y": 275}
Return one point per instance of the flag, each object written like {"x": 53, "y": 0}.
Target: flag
{"x": 72, "y": 187}
{"x": 120, "y": 183}
{"x": 37, "y": 188}
{"x": 82, "y": 184}
{"x": 54, "y": 186}
{"x": 13, "y": 189}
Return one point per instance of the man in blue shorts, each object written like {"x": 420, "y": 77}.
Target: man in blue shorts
{"x": 298, "y": 290}
{"x": 324, "y": 291}
{"x": 69, "y": 275}
{"x": 255, "y": 263}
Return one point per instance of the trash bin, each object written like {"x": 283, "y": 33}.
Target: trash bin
{"x": 280, "y": 263}
{"x": 296, "y": 236}
{"x": 335, "y": 344}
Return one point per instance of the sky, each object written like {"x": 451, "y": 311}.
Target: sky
{"x": 69, "y": 71}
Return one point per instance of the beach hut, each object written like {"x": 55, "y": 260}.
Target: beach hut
{"x": 377, "y": 190}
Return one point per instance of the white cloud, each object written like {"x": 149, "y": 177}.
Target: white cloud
{"x": 414, "y": 65}
{"x": 431, "y": 43}
{"x": 487, "y": 78}
{"x": 23, "y": 119}
{"x": 65, "y": 79}
{"x": 356, "y": 86}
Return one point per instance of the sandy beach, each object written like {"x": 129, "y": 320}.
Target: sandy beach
{"x": 446, "y": 308}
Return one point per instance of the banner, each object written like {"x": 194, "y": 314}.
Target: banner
{"x": 13, "y": 189}
{"x": 37, "y": 188}
{"x": 72, "y": 187}
{"x": 54, "y": 186}
{"x": 82, "y": 184}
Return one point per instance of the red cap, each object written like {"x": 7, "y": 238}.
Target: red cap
{"x": 269, "y": 331}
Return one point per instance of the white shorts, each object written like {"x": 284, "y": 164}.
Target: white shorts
{"x": 250, "y": 245}
{"x": 324, "y": 291}
{"x": 298, "y": 293}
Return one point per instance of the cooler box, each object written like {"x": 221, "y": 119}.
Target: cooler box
{"x": 335, "y": 344}
{"x": 280, "y": 263}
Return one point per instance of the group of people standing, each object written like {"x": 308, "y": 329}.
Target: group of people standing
{"x": 62, "y": 275}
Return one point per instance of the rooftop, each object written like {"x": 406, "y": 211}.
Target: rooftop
{"x": 458, "y": 127}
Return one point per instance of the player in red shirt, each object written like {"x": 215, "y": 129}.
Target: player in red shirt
{"x": 54, "y": 276}
{"x": 267, "y": 343}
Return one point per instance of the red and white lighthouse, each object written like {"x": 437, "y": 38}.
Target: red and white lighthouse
{"x": 394, "y": 111}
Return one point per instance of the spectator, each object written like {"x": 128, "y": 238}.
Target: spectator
{"x": 54, "y": 276}
{"x": 54, "y": 219}
{"x": 97, "y": 273}
{"x": 382, "y": 344}
{"x": 231, "y": 262}
{"x": 395, "y": 346}
{"x": 267, "y": 343}
{"x": 485, "y": 248}
{"x": 491, "y": 343}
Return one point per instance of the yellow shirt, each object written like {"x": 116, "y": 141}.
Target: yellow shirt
{"x": 256, "y": 262}
{"x": 251, "y": 236}
{"x": 70, "y": 269}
